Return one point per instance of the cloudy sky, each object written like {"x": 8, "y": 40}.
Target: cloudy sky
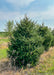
{"x": 40, "y": 10}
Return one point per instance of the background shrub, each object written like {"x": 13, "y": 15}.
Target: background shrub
{"x": 45, "y": 32}
{"x": 52, "y": 43}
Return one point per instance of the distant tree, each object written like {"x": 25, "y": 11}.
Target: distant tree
{"x": 9, "y": 27}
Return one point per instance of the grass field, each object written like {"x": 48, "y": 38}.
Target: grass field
{"x": 3, "y": 46}
{"x": 3, "y": 53}
{"x": 3, "y": 40}
{"x": 45, "y": 65}
{"x": 3, "y": 34}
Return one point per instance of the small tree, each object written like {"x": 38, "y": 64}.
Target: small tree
{"x": 45, "y": 32}
{"x": 26, "y": 44}
{"x": 53, "y": 32}
{"x": 52, "y": 43}
{"x": 9, "y": 28}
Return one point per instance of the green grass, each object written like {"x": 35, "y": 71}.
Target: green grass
{"x": 3, "y": 40}
{"x": 3, "y": 34}
{"x": 3, "y": 53}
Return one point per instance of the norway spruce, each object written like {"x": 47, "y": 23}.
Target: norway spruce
{"x": 25, "y": 44}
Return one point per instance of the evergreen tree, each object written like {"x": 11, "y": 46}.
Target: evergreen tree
{"x": 25, "y": 44}
{"x": 9, "y": 28}
{"x": 52, "y": 43}
{"x": 45, "y": 32}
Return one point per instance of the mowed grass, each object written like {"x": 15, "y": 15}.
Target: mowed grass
{"x": 3, "y": 53}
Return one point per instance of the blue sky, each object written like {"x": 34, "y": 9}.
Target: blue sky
{"x": 41, "y": 10}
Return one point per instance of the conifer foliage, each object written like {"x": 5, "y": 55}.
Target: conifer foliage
{"x": 25, "y": 44}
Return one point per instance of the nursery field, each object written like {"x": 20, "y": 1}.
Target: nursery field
{"x": 45, "y": 65}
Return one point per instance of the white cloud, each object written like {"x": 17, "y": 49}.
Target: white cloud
{"x": 20, "y": 2}
{"x": 41, "y": 15}
{"x": 49, "y": 13}
{"x": 10, "y": 15}
{"x": 44, "y": 15}
{"x": 47, "y": 16}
